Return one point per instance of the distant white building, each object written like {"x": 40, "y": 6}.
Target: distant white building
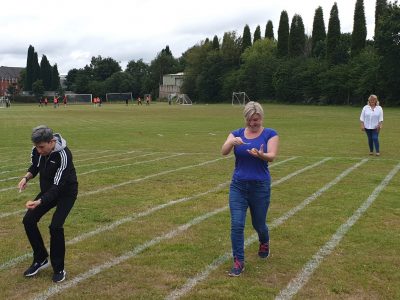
{"x": 63, "y": 81}
{"x": 172, "y": 84}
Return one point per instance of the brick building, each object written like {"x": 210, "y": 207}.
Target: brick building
{"x": 8, "y": 75}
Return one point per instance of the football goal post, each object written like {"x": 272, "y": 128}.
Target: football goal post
{"x": 119, "y": 97}
{"x": 79, "y": 98}
{"x": 183, "y": 99}
{"x": 240, "y": 98}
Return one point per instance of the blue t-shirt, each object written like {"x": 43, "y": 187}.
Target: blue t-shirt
{"x": 248, "y": 167}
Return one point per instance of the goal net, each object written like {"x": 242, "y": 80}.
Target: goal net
{"x": 240, "y": 98}
{"x": 118, "y": 97}
{"x": 79, "y": 98}
{"x": 183, "y": 99}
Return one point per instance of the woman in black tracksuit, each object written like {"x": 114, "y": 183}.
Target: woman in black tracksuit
{"x": 52, "y": 159}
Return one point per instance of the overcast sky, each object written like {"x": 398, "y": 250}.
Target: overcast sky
{"x": 70, "y": 32}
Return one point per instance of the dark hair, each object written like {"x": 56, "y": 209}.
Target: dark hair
{"x": 41, "y": 133}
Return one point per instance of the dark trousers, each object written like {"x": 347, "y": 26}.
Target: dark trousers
{"x": 57, "y": 240}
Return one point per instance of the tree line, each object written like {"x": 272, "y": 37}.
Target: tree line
{"x": 328, "y": 67}
{"x": 39, "y": 78}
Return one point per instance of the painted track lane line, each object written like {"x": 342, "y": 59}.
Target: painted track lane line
{"x": 302, "y": 278}
{"x": 104, "y": 228}
{"x": 115, "y": 186}
{"x": 192, "y": 282}
{"x": 74, "y": 281}
{"x": 55, "y": 289}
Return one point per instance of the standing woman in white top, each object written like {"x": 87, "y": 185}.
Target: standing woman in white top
{"x": 371, "y": 122}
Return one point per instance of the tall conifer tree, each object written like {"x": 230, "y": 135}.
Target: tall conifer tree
{"x": 318, "y": 32}
{"x": 29, "y": 69}
{"x": 55, "y": 78}
{"x": 246, "y": 38}
{"x": 283, "y": 35}
{"x": 297, "y": 38}
{"x": 333, "y": 35}
{"x": 359, "y": 35}
{"x": 379, "y": 11}
{"x": 36, "y": 68}
{"x": 45, "y": 73}
{"x": 215, "y": 43}
{"x": 269, "y": 30}
{"x": 257, "y": 34}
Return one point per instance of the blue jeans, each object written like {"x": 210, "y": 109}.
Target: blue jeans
{"x": 373, "y": 135}
{"x": 255, "y": 195}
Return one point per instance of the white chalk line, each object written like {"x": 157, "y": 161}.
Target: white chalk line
{"x": 192, "y": 282}
{"x": 113, "y": 225}
{"x": 74, "y": 281}
{"x": 114, "y": 186}
{"x": 119, "y": 222}
{"x": 55, "y": 289}
{"x": 304, "y": 275}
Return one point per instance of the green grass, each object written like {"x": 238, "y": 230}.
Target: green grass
{"x": 133, "y": 161}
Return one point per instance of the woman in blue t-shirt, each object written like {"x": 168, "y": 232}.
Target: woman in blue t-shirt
{"x": 254, "y": 146}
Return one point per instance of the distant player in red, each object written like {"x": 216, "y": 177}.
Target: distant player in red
{"x": 65, "y": 100}
{"x": 147, "y": 100}
{"x": 55, "y": 101}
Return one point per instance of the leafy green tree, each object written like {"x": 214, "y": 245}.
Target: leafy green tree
{"x": 103, "y": 68}
{"x": 215, "y": 43}
{"x": 333, "y": 35}
{"x": 318, "y": 33}
{"x": 231, "y": 50}
{"x": 286, "y": 82}
{"x": 297, "y": 39}
{"x": 257, "y": 34}
{"x": 283, "y": 35}
{"x": 387, "y": 42}
{"x": 359, "y": 35}
{"x": 269, "y": 30}
{"x": 45, "y": 73}
{"x": 120, "y": 82}
{"x": 208, "y": 83}
{"x": 256, "y": 72}
{"x": 55, "y": 78}
{"x": 364, "y": 75}
{"x": 38, "y": 89}
{"x": 246, "y": 38}
{"x": 335, "y": 83}
{"x": 380, "y": 8}
{"x": 139, "y": 71}
{"x": 29, "y": 69}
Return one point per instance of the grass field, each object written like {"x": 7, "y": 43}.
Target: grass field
{"x": 151, "y": 220}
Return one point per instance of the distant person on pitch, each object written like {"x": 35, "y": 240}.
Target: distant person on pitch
{"x": 371, "y": 119}
{"x": 254, "y": 146}
{"x": 52, "y": 159}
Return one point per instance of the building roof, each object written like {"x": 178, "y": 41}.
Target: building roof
{"x": 10, "y": 72}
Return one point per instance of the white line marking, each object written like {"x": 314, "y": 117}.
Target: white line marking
{"x": 131, "y": 164}
{"x": 74, "y": 281}
{"x": 302, "y": 277}
{"x": 55, "y": 289}
{"x": 113, "y": 225}
{"x": 192, "y": 282}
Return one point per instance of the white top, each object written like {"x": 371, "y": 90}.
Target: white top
{"x": 371, "y": 117}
